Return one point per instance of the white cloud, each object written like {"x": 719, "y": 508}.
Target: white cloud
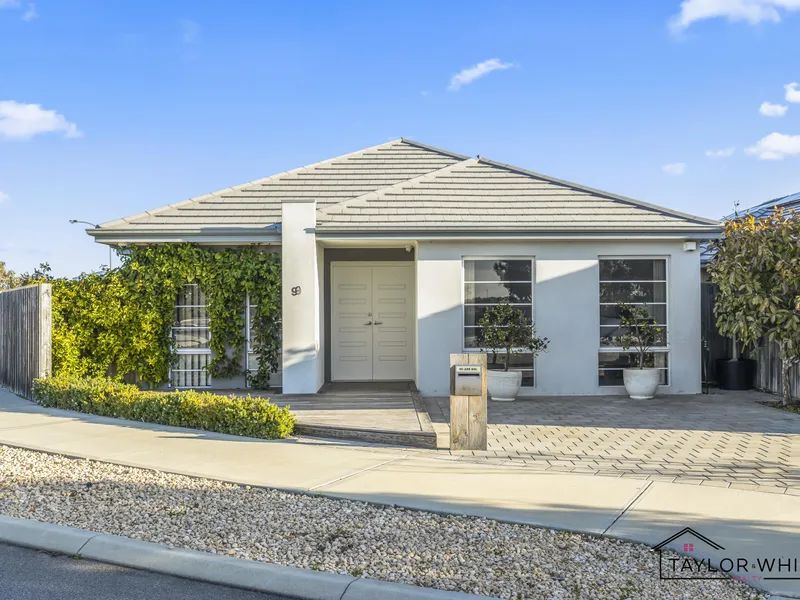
{"x": 775, "y": 146}
{"x": 772, "y": 110}
{"x": 674, "y": 169}
{"x": 3, "y": 197}
{"x": 792, "y": 93}
{"x": 30, "y": 14}
{"x": 190, "y": 31}
{"x": 724, "y": 153}
{"x": 474, "y": 72}
{"x": 752, "y": 11}
{"x": 23, "y": 121}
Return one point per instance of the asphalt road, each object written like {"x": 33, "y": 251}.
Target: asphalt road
{"x": 27, "y": 574}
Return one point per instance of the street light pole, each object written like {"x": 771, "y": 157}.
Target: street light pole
{"x": 73, "y": 221}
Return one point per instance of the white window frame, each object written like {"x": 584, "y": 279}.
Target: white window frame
{"x": 532, "y": 260}
{"x": 184, "y": 351}
{"x": 665, "y": 349}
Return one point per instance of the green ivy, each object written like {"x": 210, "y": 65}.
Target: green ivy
{"x": 119, "y": 321}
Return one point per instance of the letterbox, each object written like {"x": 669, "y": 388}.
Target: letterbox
{"x": 468, "y": 380}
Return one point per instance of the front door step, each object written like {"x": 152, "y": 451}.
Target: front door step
{"x": 413, "y": 439}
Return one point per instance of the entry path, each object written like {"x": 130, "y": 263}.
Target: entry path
{"x": 747, "y": 523}
{"x": 723, "y": 439}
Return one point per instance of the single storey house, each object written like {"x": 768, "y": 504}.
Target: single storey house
{"x": 390, "y": 256}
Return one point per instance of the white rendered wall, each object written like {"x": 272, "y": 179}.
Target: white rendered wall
{"x": 566, "y": 310}
{"x": 303, "y": 365}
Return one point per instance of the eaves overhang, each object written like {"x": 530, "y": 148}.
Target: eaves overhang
{"x": 210, "y": 235}
{"x": 542, "y": 235}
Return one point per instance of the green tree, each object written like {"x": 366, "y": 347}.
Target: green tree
{"x": 757, "y": 269}
{"x": 8, "y": 279}
{"x": 642, "y": 333}
{"x": 506, "y": 329}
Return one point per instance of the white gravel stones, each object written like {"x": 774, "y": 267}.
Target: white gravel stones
{"x": 448, "y": 552}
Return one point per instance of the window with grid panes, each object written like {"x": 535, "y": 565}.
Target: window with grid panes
{"x": 487, "y": 282}
{"x": 191, "y": 336}
{"x": 640, "y": 282}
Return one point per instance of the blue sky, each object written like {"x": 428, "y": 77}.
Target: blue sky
{"x": 111, "y": 108}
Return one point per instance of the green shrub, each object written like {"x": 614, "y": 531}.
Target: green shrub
{"x": 248, "y": 415}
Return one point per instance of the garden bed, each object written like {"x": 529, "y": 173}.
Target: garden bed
{"x": 793, "y": 408}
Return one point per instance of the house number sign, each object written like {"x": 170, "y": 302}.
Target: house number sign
{"x": 296, "y": 290}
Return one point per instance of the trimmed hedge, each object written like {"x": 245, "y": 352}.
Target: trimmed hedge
{"x": 249, "y": 416}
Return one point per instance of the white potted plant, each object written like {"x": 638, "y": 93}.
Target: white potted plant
{"x": 505, "y": 331}
{"x": 642, "y": 334}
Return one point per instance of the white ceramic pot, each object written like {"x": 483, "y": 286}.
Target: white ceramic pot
{"x": 642, "y": 384}
{"x": 504, "y": 385}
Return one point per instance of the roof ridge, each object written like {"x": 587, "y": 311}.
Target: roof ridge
{"x": 375, "y": 194}
{"x": 234, "y": 188}
{"x": 609, "y": 195}
{"x": 434, "y": 149}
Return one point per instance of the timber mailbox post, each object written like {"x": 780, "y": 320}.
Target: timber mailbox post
{"x": 468, "y": 401}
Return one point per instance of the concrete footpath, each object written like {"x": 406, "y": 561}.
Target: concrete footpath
{"x": 744, "y": 524}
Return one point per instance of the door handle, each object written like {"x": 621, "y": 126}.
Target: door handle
{"x": 368, "y": 323}
{"x": 378, "y": 323}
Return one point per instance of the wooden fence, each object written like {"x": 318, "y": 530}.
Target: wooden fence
{"x": 25, "y": 337}
{"x": 768, "y": 372}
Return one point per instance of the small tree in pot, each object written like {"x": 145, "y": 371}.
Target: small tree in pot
{"x": 642, "y": 335}
{"x": 505, "y": 331}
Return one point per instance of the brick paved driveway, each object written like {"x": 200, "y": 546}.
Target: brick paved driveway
{"x": 722, "y": 439}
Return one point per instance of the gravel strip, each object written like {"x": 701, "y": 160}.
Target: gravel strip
{"x": 458, "y": 553}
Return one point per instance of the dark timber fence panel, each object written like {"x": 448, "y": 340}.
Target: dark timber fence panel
{"x": 25, "y": 337}
{"x": 716, "y": 345}
{"x": 768, "y": 373}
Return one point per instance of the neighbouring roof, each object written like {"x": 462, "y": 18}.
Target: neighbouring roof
{"x": 792, "y": 201}
{"x": 762, "y": 210}
{"x": 407, "y": 186}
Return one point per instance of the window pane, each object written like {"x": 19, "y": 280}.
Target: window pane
{"x": 192, "y": 317}
{"x": 473, "y": 314}
{"x": 497, "y": 270}
{"x": 473, "y": 337}
{"x": 191, "y": 370}
{"x": 633, "y": 270}
{"x": 609, "y": 313}
{"x": 492, "y": 293}
{"x": 633, "y": 292}
{"x": 252, "y": 361}
{"x": 611, "y": 365}
{"x": 191, "y": 295}
{"x": 627, "y": 360}
{"x": 609, "y": 335}
{"x": 615, "y": 377}
{"x": 610, "y": 377}
{"x": 519, "y": 362}
{"x": 191, "y": 337}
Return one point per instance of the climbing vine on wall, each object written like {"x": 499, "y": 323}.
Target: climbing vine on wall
{"x": 119, "y": 321}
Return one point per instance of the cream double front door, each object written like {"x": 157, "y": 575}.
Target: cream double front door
{"x": 372, "y": 328}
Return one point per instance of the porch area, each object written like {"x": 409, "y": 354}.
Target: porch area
{"x": 386, "y": 413}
